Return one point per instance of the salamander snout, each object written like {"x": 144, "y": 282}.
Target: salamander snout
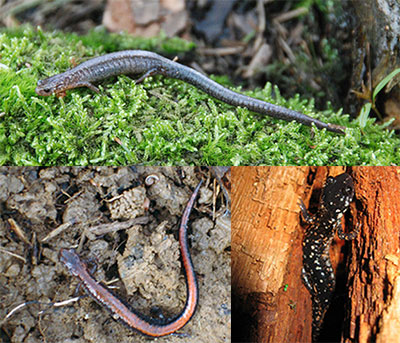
{"x": 43, "y": 88}
{"x": 52, "y": 85}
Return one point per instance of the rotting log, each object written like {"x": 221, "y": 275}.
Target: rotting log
{"x": 270, "y": 303}
{"x": 266, "y": 251}
{"x": 374, "y": 270}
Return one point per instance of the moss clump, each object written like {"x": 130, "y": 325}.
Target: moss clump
{"x": 159, "y": 122}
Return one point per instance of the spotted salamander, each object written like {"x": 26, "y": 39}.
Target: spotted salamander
{"x": 317, "y": 272}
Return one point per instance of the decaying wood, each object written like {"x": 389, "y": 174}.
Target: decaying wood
{"x": 266, "y": 255}
{"x": 270, "y": 302}
{"x": 374, "y": 271}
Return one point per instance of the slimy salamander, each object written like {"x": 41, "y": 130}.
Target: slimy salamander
{"x": 146, "y": 63}
{"x": 317, "y": 272}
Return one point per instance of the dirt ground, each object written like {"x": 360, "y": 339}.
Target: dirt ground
{"x": 129, "y": 228}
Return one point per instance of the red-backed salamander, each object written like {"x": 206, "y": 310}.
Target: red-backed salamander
{"x": 134, "y": 62}
{"x": 317, "y": 272}
{"x": 134, "y": 320}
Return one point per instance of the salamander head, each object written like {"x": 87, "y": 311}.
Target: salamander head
{"x": 337, "y": 194}
{"x": 72, "y": 261}
{"x": 52, "y": 85}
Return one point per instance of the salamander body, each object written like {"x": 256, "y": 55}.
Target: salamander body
{"x": 317, "y": 272}
{"x": 146, "y": 63}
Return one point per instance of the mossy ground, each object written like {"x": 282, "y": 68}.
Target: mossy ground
{"x": 160, "y": 121}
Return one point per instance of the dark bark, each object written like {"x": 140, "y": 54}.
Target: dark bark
{"x": 376, "y": 52}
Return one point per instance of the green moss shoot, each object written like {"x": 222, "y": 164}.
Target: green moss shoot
{"x": 160, "y": 121}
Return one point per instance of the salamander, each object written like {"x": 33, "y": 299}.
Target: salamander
{"x": 126, "y": 314}
{"x": 135, "y": 62}
{"x": 317, "y": 273}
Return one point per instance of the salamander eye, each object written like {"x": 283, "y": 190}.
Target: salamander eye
{"x": 47, "y": 90}
{"x": 329, "y": 181}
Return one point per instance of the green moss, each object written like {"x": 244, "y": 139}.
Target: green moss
{"x": 161, "y": 121}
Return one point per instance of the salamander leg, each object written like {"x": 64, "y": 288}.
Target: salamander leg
{"x": 348, "y": 236}
{"x": 63, "y": 93}
{"x": 304, "y": 213}
{"x": 306, "y": 281}
{"x": 148, "y": 73}
{"x": 88, "y": 85}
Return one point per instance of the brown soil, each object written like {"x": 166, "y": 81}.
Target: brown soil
{"x": 141, "y": 263}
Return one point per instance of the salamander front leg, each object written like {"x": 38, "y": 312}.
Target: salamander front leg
{"x": 348, "y": 236}
{"x": 63, "y": 93}
{"x": 304, "y": 213}
{"x": 86, "y": 84}
{"x": 92, "y": 87}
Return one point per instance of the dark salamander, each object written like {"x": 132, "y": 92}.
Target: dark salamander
{"x": 146, "y": 63}
{"x": 317, "y": 272}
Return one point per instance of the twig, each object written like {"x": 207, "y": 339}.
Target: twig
{"x": 56, "y": 231}
{"x": 231, "y": 50}
{"x": 291, "y": 14}
{"x": 13, "y": 254}
{"x": 18, "y": 231}
{"x": 56, "y": 304}
{"x": 102, "y": 229}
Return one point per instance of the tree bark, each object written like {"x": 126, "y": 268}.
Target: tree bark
{"x": 270, "y": 302}
{"x": 374, "y": 271}
{"x": 376, "y": 52}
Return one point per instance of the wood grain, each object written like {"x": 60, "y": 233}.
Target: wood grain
{"x": 270, "y": 302}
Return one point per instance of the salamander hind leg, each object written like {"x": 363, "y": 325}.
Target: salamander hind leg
{"x": 306, "y": 281}
{"x": 151, "y": 72}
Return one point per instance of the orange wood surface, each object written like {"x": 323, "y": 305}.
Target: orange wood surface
{"x": 270, "y": 303}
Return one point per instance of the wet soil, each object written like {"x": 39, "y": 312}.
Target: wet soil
{"x": 129, "y": 229}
